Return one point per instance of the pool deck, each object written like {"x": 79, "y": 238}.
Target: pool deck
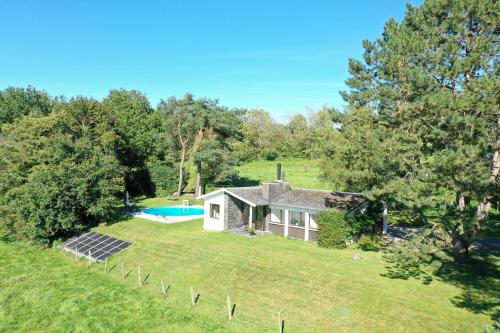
{"x": 168, "y": 219}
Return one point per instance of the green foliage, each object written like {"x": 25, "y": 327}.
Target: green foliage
{"x": 333, "y": 229}
{"x": 18, "y": 102}
{"x": 140, "y": 131}
{"x": 421, "y": 129}
{"x": 59, "y": 172}
{"x": 423, "y": 254}
{"x": 163, "y": 178}
{"x": 200, "y": 130}
{"x": 369, "y": 242}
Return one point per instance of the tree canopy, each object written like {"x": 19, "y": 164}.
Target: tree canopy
{"x": 422, "y": 127}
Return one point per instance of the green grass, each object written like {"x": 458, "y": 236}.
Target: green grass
{"x": 45, "y": 291}
{"x": 301, "y": 173}
{"x": 316, "y": 290}
{"x": 145, "y": 202}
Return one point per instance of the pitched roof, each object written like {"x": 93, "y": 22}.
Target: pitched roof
{"x": 299, "y": 198}
{"x": 318, "y": 199}
{"x": 252, "y": 194}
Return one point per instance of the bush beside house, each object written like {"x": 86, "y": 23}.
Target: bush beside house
{"x": 333, "y": 229}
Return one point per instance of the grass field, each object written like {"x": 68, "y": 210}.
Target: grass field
{"x": 301, "y": 173}
{"x": 316, "y": 290}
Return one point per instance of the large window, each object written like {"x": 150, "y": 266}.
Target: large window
{"x": 214, "y": 211}
{"x": 297, "y": 219}
{"x": 278, "y": 216}
{"x": 312, "y": 221}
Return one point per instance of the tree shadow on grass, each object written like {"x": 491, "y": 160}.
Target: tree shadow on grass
{"x": 118, "y": 216}
{"x": 477, "y": 277}
{"x": 243, "y": 181}
{"x": 6, "y": 239}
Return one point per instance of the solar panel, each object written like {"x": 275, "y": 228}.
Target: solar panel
{"x": 100, "y": 246}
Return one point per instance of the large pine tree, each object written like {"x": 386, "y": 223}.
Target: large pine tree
{"x": 424, "y": 120}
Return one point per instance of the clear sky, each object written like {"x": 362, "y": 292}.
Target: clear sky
{"x": 283, "y": 56}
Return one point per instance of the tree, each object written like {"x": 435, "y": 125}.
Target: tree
{"x": 201, "y": 129}
{"x": 299, "y": 136}
{"x": 431, "y": 86}
{"x": 142, "y": 143}
{"x": 17, "y": 102}
{"x": 262, "y": 137}
{"x": 60, "y": 174}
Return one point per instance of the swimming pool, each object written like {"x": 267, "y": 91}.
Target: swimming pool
{"x": 174, "y": 211}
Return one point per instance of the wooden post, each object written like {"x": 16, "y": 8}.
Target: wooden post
{"x": 192, "y": 297}
{"x": 163, "y": 291}
{"x": 123, "y": 270}
{"x": 280, "y": 323}
{"x": 76, "y": 253}
{"x": 229, "y": 309}
{"x": 106, "y": 265}
{"x": 89, "y": 258}
{"x": 140, "y": 278}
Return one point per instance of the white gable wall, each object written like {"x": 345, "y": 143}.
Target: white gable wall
{"x": 210, "y": 223}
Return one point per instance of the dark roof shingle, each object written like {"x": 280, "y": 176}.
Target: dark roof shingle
{"x": 317, "y": 199}
{"x": 301, "y": 198}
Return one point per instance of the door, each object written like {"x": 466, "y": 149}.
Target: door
{"x": 259, "y": 218}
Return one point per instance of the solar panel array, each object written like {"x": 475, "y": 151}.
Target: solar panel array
{"x": 100, "y": 246}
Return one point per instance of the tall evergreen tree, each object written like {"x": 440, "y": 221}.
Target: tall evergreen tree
{"x": 430, "y": 88}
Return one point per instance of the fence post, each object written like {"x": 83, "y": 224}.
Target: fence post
{"x": 280, "y": 323}
{"x": 76, "y": 253}
{"x": 163, "y": 288}
{"x": 140, "y": 278}
{"x": 106, "y": 265}
{"x": 229, "y": 309}
{"x": 89, "y": 258}
{"x": 192, "y": 296}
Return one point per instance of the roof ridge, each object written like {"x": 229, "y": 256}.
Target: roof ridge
{"x": 327, "y": 191}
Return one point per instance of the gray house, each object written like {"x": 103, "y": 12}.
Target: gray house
{"x": 275, "y": 207}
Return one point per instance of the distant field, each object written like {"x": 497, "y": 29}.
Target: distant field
{"x": 301, "y": 173}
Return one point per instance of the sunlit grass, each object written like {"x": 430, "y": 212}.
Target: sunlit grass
{"x": 315, "y": 289}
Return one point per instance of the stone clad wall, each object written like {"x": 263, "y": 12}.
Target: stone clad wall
{"x": 234, "y": 212}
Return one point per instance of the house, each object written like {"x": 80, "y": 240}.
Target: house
{"x": 275, "y": 207}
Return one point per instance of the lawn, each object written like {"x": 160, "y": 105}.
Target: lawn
{"x": 302, "y": 173}
{"x": 315, "y": 289}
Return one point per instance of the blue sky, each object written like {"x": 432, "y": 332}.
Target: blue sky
{"x": 283, "y": 56}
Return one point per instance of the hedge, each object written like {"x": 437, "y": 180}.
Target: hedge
{"x": 333, "y": 229}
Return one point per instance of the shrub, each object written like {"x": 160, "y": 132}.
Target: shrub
{"x": 270, "y": 154}
{"x": 164, "y": 179}
{"x": 333, "y": 229}
{"x": 369, "y": 243}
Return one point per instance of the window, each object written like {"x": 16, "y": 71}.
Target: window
{"x": 277, "y": 216}
{"x": 297, "y": 219}
{"x": 214, "y": 211}
{"x": 312, "y": 221}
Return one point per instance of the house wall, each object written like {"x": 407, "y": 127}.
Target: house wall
{"x": 276, "y": 229}
{"x": 234, "y": 212}
{"x": 210, "y": 223}
{"x": 283, "y": 228}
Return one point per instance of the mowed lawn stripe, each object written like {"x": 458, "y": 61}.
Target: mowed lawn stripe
{"x": 316, "y": 289}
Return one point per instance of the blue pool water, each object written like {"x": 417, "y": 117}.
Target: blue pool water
{"x": 174, "y": 211}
